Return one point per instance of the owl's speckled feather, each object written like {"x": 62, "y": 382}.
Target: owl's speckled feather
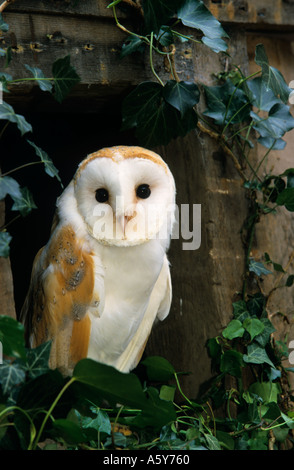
{"x": 97, "y": 288}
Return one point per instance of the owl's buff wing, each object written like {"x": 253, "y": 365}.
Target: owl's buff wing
{"x": 62, "y": 292}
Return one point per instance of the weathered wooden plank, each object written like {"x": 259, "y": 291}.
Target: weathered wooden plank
{"x": 6, "y": 282}
{"x": 249, "y": 12}
{"x": 261, "y": 13}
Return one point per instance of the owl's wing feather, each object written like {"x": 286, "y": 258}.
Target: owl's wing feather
{"x": 158, "y": 307}
{"x": 61, "y": 293}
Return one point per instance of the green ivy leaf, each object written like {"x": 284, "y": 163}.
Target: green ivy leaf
{"x": 286, "y": 198}
{"x": 117, "y": 387}
{"x": 263, "y": 338}
{"x": 233, "y": 330}
{"x": 257, "y": 355}
{"x": 271, "y": 143}
{"x": 25, "y": 203}
{"x": 267, "y": 391}
{"x": 69, "y": 431}
{"x": 132, "y": 44}
{"x": 254, "y": 326}
{"x": 155, "y": 120}
{"x": 11, "y": 375}
{"x": 7, "y": 112}
{"x": 279, "y": 122}
{"x": 37, "y": 360}
{"x": 215, "y": 44}
{"x": 50, "y": 168}
{"x": 181, "y": 95}
{"x": 262, "y": 96}
{"x": 65, "y": 78}
{"x": 290, "y": 280}
{"x": 158, "y": 368}
{"x": 3, "y": 26}
{"x": 272, "y": 78}
{"x": 222, "y": 108}
{"x": 240, "y": 311}
{"x": 231, "y": 363}
{"x": 258, "y": 268}
{"x": 9, "y": 186}
{"x": 44, "y": 83}
{"x": 5, "y": 239}
{"x": 12, "y": 337}
{"x": 158, "y": 12}
{"x": 194, "y": 14}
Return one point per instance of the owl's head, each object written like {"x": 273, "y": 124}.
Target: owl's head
{"x": 125, "y": 195}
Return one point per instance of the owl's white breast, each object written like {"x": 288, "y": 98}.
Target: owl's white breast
{"x": 130, "y": 274}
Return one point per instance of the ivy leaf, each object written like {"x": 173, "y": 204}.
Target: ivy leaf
{"x": 132, "y": 44}
{"x": 254, "y": 327}
{"x": 7, "y": 112}
{"x": 165, "y": 36}
{"x": 257, "y": 355}
{"x": 267, "y": 391}
{"x": 9, "y": 186}
{"x": 286, "y": 198}
{"x": 272, "y": 77}
{"x": 222, "y": 108}
{"x": 3, "y": 26}
{"x": 11, "y": 375}
{"x": 5, "y": 239}
{"x": 262, "y": 96}
{"x": 258, "y": 268}
{"x": 215, "y": 44}
{"x": 50, "y": 168}
{"x": 271, "y": 143}
{"x": 155, "y": 120}
{"x": 263, "y": 338}
{"x": 231, "y": 363}
{"x": 194, "y": 14}
{"x": 25, "y": 204}
{"x": 12, "y": 337}
{"x": 290, "y": 280}
{"x": 279, "y": 122}
{"x": 233, "y": 330}
{"x": 64, "y": 76}
{"x": 158, "y": 12}
{"x": 37, "y": 360}
{"x": 44, "y": 84}
{"x": 181, "y": 95}
{"x": 158, "y": 368}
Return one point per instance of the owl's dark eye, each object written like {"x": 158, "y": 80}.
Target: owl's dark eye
{"x": 102, "y": 195}
{"x": 143, "y": 191}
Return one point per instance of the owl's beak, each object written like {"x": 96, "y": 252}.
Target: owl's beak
{"x": 123, "y": 220}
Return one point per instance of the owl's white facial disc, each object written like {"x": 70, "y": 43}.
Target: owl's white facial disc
{"x": 126, "y": 196}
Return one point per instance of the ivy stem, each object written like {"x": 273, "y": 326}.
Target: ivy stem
{"x": 20, "y": 168}
{"x": 17, "y": 408}
{"x": 49, "y": 412}
{"x": 4, "y": 227}
{"x": 249, "y": 247}
{"x": 151, "y": 60}
{"x": 180, "y": 390}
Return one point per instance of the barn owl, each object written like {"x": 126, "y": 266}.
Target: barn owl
{"x": 103, "y": 278}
